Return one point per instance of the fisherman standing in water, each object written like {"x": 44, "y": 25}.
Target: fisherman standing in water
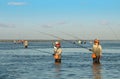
{"x": 26, "y": 44}
{"x": 97, "y": 51}
{"x": 57, "y": 52}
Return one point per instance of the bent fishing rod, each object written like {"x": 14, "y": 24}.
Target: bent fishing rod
{"x": 63, "y": 39}
{"x": 114, "y": 33}
{"x": 81, "y": 40}
{"x": 71, "y": 35}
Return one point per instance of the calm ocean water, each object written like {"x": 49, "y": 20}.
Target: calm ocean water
{"x": 36, "y": 62}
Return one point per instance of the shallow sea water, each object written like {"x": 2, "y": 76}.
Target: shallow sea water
{"x": 36, "y": 62}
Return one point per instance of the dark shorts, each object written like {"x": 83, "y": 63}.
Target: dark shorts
{"x": 26, "y": 46}
{"x": 58, "y": 60}
{"x": 96, "y": 60}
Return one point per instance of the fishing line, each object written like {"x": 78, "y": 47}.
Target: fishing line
{"x": 73, "y": 36}
{"x": 63, "y": 39}
{"x": 114, "y": 33}
{"x": 40, "y": 51}
{"x": 44, "y": 51}
{"x": 80, "y": 41}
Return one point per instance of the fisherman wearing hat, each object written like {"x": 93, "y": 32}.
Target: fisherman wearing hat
{"x": 97, "y": 51}
{"x": 57, "y": 52}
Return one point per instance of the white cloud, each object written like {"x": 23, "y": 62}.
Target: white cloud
{"x": 7, "y": 25}
{"x": 16, "y": 3}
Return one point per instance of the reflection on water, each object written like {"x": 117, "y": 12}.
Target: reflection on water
{"x": 97, "y": 71}
{"x": 57, "y": 70}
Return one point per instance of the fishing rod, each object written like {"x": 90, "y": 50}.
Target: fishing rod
{"x": 114, "y": 33}
{"x": 71, "y": 35}
{"x": 79, "y": 40}
{"x": 44, "y": 51}
{"x": 63, "y": 39}
{"x": 40, "y": 50}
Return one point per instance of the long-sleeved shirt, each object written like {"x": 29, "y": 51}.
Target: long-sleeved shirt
{"x": 26, "y": 43}
{"x": 58, "y": 51}
{"x": 97, "y": 49}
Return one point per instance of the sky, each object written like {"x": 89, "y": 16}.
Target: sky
{"x": 66, "y": 19}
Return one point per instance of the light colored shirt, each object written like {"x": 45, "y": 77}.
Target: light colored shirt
{"x": 58, "y": 51}
{"x": 97, "y": 49}
{"x": 25, "y": 43}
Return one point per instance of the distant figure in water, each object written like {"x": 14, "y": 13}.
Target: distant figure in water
{"x": 26, "y": 44}
{"x": 97, "y": 51}
{"x": 57, "y": 52}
